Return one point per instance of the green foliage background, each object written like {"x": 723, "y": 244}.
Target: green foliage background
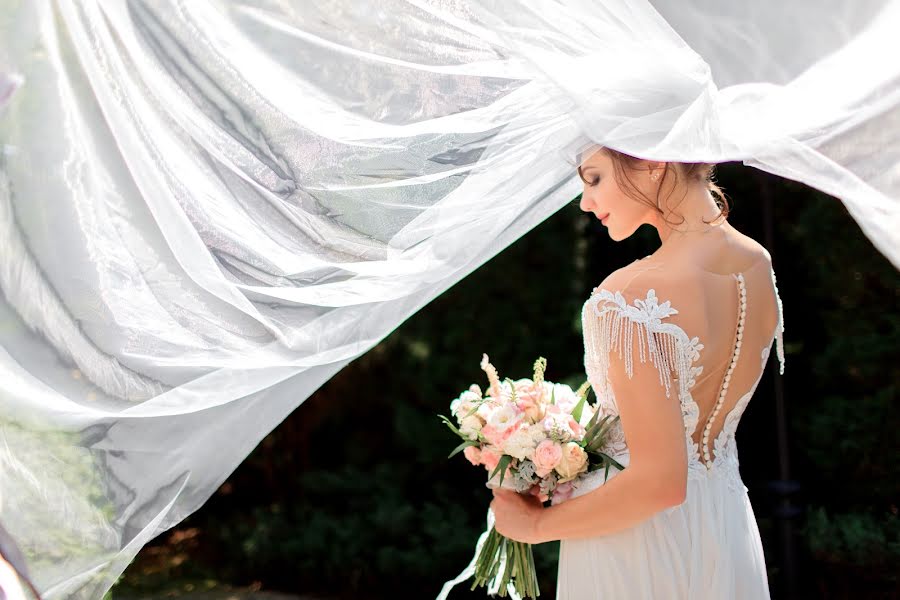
{"x": 352, "y": 496}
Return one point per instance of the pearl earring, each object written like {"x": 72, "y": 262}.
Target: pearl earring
{"x": 655, "y": 176}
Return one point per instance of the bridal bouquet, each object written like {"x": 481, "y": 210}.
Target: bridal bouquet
{"x": 535, "y": 437}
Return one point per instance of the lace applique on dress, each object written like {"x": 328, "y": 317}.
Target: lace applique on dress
{"x": 610, "y": 324}
{"x": 619, "y": 325}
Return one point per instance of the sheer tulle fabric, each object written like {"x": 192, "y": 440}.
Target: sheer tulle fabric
{"x": 209, "y": 207}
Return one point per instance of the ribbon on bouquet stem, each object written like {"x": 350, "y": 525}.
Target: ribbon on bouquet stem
{"x": 494, "y": 585}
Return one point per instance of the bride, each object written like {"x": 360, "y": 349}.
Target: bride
{"x": 675, "y": 343}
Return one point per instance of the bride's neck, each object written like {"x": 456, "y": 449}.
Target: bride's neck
{"x": 699, "y": 212}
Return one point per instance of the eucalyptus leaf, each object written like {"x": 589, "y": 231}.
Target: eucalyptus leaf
{"x": 452, "y": 427}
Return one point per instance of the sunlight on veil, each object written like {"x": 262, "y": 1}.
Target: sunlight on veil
{"x": 209, "y": 207}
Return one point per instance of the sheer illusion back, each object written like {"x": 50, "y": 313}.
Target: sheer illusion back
{"x": 696, "y": 329}
{"x": 708, "y": 333}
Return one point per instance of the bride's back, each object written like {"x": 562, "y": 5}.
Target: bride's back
{"x": 703, "y": 281}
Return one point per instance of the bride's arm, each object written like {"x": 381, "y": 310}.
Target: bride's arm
{"x": 656, "y": 476}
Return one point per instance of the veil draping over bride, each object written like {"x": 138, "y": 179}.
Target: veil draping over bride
{"x": 209, "y": 207}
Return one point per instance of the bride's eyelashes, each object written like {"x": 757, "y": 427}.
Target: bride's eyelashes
{"x": 593, "y": 182}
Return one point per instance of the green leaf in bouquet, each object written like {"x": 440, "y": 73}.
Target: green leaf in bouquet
{"x": 604, "y": 428}
{"x": 592, "y": 422}
{"x": 576, "y": 412}
{"x": 501, "y": 466}
{"x": 608, "y": 460}
{"x": 593, "y": 428}
{"x": 593, "y": 438}
{"x": 452, "y": 427}
{"x": 474, "y": 410}
{"x": 462, "y": 447}
{"x": 553, "y": 396}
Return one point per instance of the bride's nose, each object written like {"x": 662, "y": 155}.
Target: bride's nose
{"x": 585, "y": 203}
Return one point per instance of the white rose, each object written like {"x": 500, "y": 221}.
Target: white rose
{"x": 520, "y": 444}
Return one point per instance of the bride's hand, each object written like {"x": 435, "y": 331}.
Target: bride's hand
{"x": 516, "y": 516}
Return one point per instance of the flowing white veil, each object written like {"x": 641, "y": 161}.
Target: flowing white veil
{"x": 209, "y": 207}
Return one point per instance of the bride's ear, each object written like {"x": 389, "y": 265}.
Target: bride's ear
{"x": 655, "y": 169}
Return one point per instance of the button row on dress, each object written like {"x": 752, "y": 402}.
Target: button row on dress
{"x": 734, "y": 359}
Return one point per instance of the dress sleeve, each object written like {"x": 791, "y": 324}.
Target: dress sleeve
{"x": 619, "y": 330}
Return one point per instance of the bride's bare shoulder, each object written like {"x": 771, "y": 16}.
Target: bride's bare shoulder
{"x": 637, "y": 279}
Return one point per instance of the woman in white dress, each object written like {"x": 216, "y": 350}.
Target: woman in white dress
{"x": 675, "y": 343}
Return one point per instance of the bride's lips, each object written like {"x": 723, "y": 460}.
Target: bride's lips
{"x": 603, "y": 218}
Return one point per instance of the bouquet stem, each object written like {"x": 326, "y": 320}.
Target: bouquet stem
{"x": 517, "y": 560}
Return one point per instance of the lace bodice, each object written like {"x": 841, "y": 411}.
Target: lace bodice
{"x": 712, "y": 373}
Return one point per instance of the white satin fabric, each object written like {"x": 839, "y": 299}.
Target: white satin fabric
{"x": 209, "y": 207}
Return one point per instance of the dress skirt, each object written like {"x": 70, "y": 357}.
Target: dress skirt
{"x": 708, "y": 547}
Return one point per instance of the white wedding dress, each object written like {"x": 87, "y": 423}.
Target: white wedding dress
{"x": 713, "y": 332}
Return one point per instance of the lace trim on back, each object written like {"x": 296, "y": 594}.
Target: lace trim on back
{"x": 779, "y": 328}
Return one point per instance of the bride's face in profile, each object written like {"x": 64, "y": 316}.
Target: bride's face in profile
{"x": 620, "y": 214}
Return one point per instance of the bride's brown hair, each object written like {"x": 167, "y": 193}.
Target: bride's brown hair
{"x": 623, "y": 164}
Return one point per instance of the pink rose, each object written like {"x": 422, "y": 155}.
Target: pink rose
{"x": 490, "y": 458}
{"x": 572, "y": 462}
{"x": 546, "y": 457}
{"x": 534, "y": 412}
{"x": 496, "y": 436}
{"x": 473, "y": 453}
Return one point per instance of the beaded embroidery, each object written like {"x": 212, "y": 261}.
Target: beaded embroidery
{"x": 736, "y": 352}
